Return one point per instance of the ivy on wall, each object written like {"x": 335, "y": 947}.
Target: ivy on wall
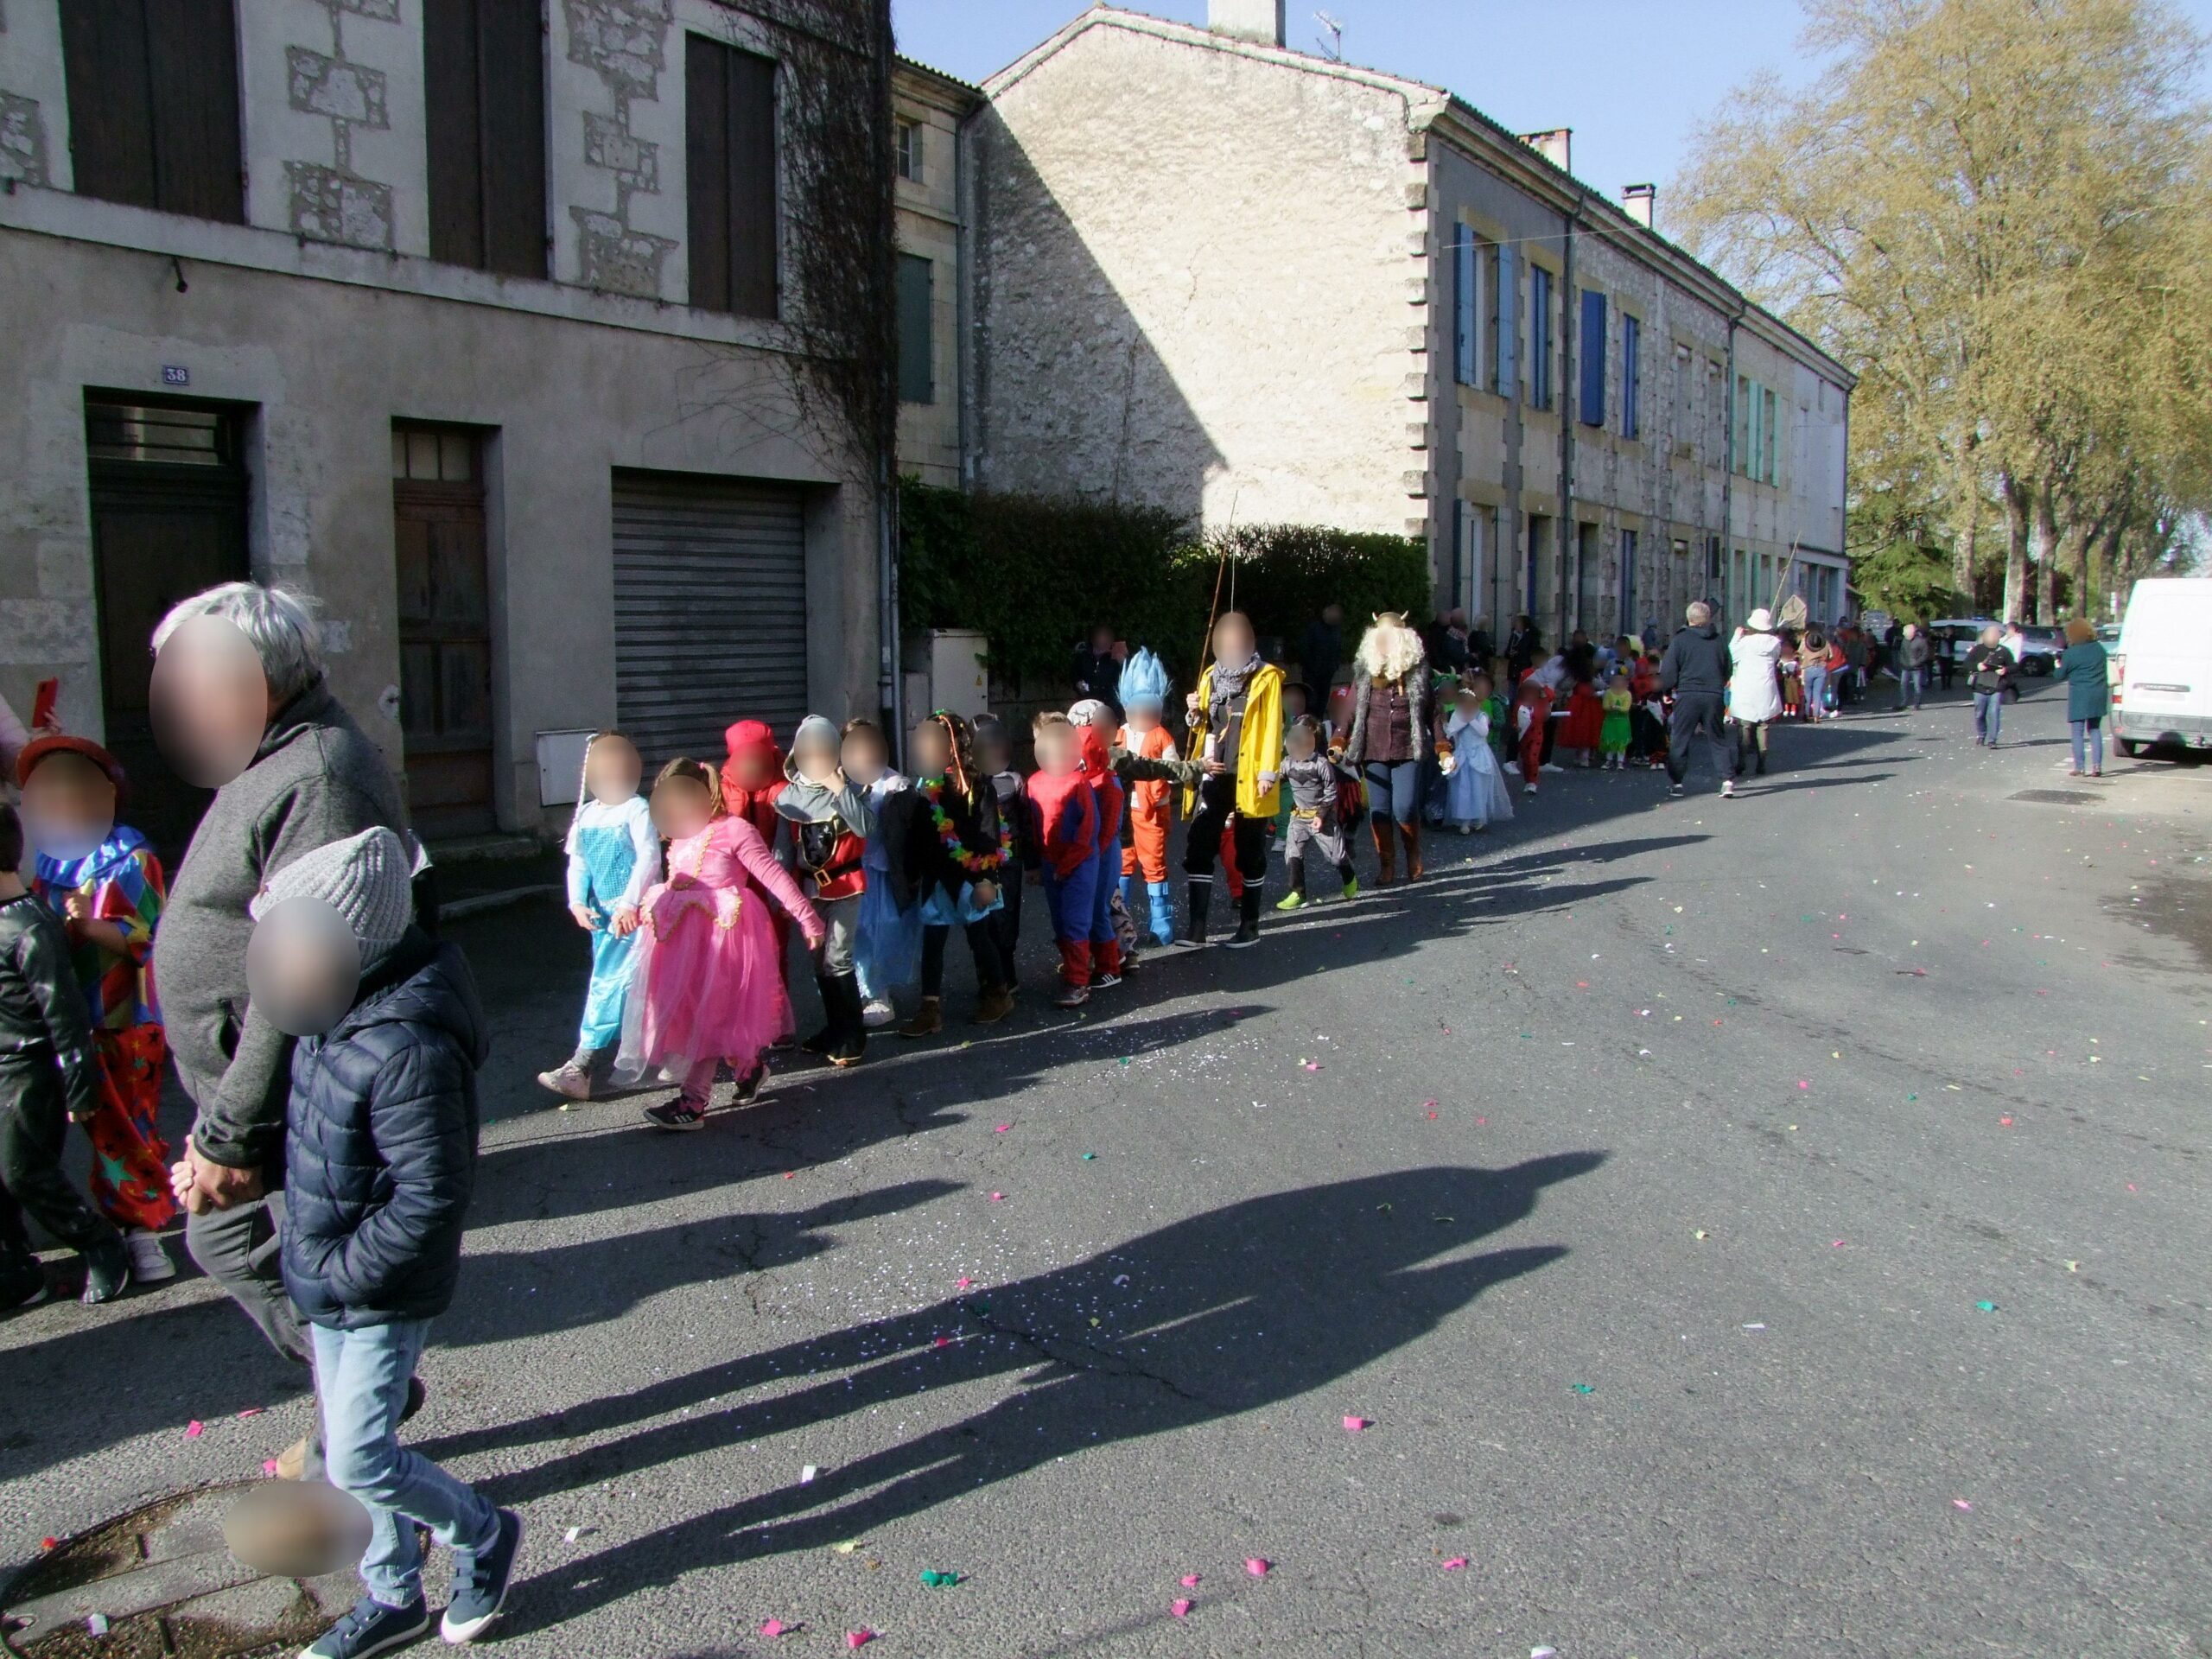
{"x": 1034, "y": 574}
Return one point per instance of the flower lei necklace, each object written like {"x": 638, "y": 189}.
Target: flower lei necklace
{"x": 975, "y": 863}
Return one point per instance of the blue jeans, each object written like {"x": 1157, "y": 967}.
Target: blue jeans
{"x": 1816, "y": 693}
{"x": 1988, "y": 714}
{"x": 1912, "y": 683}
{"x": 2094, "y": 730}
{"x": 1394, "y": 791}
{"x": 360, "y": 1381}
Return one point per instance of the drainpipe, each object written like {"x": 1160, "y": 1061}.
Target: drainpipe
{"x": 890, "y": 684}
{"x": 1570, "y": 533}
{"x": 1728, "y": 470}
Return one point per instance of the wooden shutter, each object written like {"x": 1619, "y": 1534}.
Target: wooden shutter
{"x": 154, "y": 103}
{"x": 1589, "y": 353}
{"x": 917, "y": 330}
{"x": 1540, "y": 337}
{"x": 735, "y": 228}
{"x": 1631, "y": 376}
{"x": 484, "y": 78}
{"x": 1465, "y": 293}
{"x": 1509, "y": 325}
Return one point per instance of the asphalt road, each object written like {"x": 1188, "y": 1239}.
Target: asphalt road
{"x": 1776, "y": 1226}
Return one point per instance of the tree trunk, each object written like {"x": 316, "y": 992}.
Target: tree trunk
{"x": 2073, "y": 559}
{"x": 2108, "y": 567}
{"x": 2016, "y": 549}
{"x": 2046, "y": 555}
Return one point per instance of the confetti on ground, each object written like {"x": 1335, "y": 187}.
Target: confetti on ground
{"x": 195, "y": 1429}
{"x": 50, "y": 1543}
{"x": 1181, "y": 1606}
{"x": 1987, "y": 1307}
{"x": 939, "y": 1581}
{"x": 806, "y": 1475}
{"x": 1960, "y": 1504}
{"x": 268, "y": 1467}
{"x": 998, "y": 1197}
{"x": 1697, "y": 1232}
{"x": 1258, "y": 1567}
{"x": 1585, "y": 1387}
{"x": 252, "y": 1411}
{"x": 858, "y": 1639}
{"x": 1003, "y": 1129}
{"x": 2073, "y": 1267}
{"x": 1354, "y": 1425}
{"x": 96, "y": 1623}
{"x": 1190, "y": 1580}
{"x": 772, "y": 1628}
{"x": 1088, "y": 1156}
{"x": 847, "y": 1546}
{"x": 1456, "y": 1564}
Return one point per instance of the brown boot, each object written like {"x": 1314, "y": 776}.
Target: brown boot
{"x": 994, "y": 1005}
{"x": 1411, "y": 832}
{"x": 1385, "y": 851}
{"x": 928, "y": 1020}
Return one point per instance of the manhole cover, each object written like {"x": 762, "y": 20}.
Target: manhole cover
{"x": 167, "y": 1588}
{"x": 2056, "y": 796}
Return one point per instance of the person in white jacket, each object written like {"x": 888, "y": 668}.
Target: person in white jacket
{"x": 1754, "y": 690}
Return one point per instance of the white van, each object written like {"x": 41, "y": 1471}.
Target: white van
{"x": 2162, "y": 672}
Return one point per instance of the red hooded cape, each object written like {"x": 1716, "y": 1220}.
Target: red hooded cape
{"x": 756, "y": 806}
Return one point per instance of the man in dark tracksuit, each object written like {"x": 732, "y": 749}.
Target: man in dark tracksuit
{"x": 1695, "y": 670}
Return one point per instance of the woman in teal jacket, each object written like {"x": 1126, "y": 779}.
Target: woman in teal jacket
{"x": 2089, "y": 694}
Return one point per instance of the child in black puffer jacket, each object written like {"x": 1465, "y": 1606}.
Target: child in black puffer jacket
{"x": 379, "y": 1162}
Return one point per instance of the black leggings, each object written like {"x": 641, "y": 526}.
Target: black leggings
{"x": 993, "y": 970}
{"x": 34, "y": 1127}
{"x": 1202, "y": 840}
{"x": 1751, "y": 737}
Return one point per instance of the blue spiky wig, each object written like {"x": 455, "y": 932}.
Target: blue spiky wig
{"x": 1144, "y": 682}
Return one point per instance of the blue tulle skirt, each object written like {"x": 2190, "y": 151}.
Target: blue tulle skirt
{"x": 888, "y": 953}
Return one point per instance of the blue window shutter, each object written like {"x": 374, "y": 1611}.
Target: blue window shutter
{"x": 1509, "y": 325}
{"x": 1590, "y": 353}
{"x": 1540, "y": 337}
{"x": 1464, "y": 322}
{"x": 1631, "y": 376}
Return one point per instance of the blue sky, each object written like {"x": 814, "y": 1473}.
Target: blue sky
{"x": 1632, "y": 77}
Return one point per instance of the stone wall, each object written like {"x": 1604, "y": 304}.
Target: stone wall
{"x": 929, "y": 208}
{"x": 1200, "y": 282}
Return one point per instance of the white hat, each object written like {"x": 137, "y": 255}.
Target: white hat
{"x": 1759, "y": 620}
{"x": 365, "y": 878}
{"x": 1089, "y": 712}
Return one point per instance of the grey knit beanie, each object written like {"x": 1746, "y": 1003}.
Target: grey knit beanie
{"x": 364, "y": 878}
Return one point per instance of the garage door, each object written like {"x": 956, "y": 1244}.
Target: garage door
{"x": 709, "y": 612}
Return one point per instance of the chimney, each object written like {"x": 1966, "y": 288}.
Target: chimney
{"x": 1258, "y": 20}
{"x": 1556, "y": 146}
{"x": 1641, "y": 203}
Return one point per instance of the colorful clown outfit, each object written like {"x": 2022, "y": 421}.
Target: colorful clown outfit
{"x": 121, "y": 879}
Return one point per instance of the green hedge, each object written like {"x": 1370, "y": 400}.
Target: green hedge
{"x": 1034, "y": 574}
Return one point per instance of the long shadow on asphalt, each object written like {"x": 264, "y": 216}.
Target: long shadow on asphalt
{"x": 1227, "y": 1313}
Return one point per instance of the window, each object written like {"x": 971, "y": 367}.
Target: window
{"x": 1471, "y": 529}
{"x": 1505, "y": 326}
{"x": 1631, "y": 376}
{"x": 910, "y": 151}
{"x": 1772, "y": 472}
{"x": 154, "y": 103}
{"x": 917, "y": 330}
{"x": 1590, "y": 355}
{"x": 484, "y": 97}
{"x": 1745, "y": 404}
{"x": 729, "y": 143}
{"x": 1685, "y": 402}
{"x": 1466, "y": 307}
{"x": 1626, "y": 614}
{"x": 1540, "y": 337}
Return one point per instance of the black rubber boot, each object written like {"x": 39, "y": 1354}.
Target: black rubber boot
{"x": 852, "y": 1029}
{"x": 824, "y": 1042}
{"x": 1201, "y": 901}
{"x": 1247, "y": 925}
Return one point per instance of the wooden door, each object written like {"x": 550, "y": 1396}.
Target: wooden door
{"x": 445, "y": 629}
{"x": 168, "y": 501}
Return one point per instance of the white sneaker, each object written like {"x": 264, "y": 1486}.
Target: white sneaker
{"x": 149, "y": 1258}
{"x": 877, "y": 1014}
{"x": 1728, "y": 786}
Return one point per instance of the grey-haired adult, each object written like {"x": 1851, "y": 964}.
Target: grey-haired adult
{"x": 240, "y": 698}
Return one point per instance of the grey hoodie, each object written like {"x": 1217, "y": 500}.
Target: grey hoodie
{"x": 819, "y": 813}
{"x": 316, "y": 779}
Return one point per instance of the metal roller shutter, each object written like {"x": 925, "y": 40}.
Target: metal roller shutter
{"x": 709, "y": 612}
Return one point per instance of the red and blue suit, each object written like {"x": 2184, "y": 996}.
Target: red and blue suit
{"x": 1065, "y": 814}
{"x": 1098, "y": 767}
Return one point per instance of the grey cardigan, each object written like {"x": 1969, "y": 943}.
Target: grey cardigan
{"x": 314, "y": 779}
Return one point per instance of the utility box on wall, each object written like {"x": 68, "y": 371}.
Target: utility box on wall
{"x": 949, "y": 673}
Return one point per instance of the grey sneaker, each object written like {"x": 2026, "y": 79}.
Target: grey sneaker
{"x": 369, "y": 1627}
{"x": 567, "y": 1079}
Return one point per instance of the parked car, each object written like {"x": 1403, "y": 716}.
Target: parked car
{"x": 1956, "y": 635}
{"x": 2108, "y": 635}
{"x": 2038, "y": 649}
{"x": 2162, "y": 673}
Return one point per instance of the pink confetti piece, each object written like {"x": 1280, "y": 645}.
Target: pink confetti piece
{"x": 1457, "y": 1564}
{"x": 1190, "y": 1580}
{"x": 1354, "y": 1425}
{"x": 1837, "y": 1245}
{"x": 268, "y": 1467}
{"x": 998, "y": 1197}
{"x": 195, "y": 1429}
{"x": 252, "y": 1411}
{"x": 1181, "y": 1606}
{"x": 963, "y": 1282}
{"x": 774, "y": 1627}
{"x": 1960, "y": 1504}
{"x": 1258, "y": 1567}
{"x": 942, "y": 1342}
{"x": 2004, "y": 1122}
{"x": 1802, "y": 1084}
{"x": 858, "y": 1639}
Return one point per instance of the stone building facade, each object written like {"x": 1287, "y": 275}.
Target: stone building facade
{"x": 1247, "y": 283}
{"x": 929, "y": 171}
{"x": 479, "y": 322}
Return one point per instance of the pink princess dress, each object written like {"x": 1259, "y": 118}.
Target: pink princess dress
{"x": 709, "y": 983}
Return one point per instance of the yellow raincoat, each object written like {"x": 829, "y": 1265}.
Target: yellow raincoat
{"x": 1259, "y": 752}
